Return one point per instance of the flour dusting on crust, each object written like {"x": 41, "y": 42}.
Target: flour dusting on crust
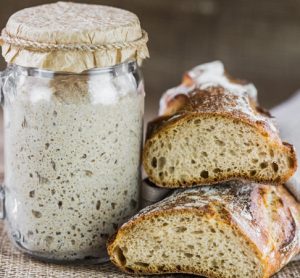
{"x": 204, "y": 76}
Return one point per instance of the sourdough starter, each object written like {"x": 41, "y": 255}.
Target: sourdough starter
{"x": 72, "y": 162}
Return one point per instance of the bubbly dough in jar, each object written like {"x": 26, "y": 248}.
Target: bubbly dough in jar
{"x": 72, "y": 150}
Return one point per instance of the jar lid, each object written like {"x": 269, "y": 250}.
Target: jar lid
{"x": 73, "y": 37}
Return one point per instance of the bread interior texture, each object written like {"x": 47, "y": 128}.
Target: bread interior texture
{"x": 208, "y": 149}
{"x": 186, "y": 243}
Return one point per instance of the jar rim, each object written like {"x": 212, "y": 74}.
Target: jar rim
{"x": 125, "y": 67}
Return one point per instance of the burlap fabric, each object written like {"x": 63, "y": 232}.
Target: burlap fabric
{"x": 14, "y": 264}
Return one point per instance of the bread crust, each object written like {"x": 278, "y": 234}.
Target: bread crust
{"x": 202, "y": 77}
{"x": 264, "y": 216}
{"x": 218, "y": 102}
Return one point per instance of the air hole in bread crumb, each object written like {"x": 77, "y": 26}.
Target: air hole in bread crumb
{"x": 142, "y": 264}
{"x": 254, "y": 160}
{"x": 252, "y": 173}
{"x": 181, "y": 229}
{"x": 263, "y": 165}
{"x": 119, "y": 256}
{"x": 197, "y": 232}
{"x": 154, "y": 162}
{"x": 204, "y": 154}
{"x": 193, "y": 161}
{"x": 171, "y": 169}
{"x": 271, "y": 153}
{"x": 188, "y": 255}
{"x": 217, "y": 170}
{"x": 198, "y": 121}
{"x": 204, "y": 174}
{"x": 275, "y": 167}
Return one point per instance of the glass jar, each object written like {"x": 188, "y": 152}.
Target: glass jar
{"x": 72, "y": 158}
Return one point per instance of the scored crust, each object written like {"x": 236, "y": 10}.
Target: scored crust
{"x": 264, "y": 217}
{"x": 231, "y": 111}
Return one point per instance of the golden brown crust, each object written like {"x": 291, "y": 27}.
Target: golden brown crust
{"x": 219, "y": 101}
{"x": 201, "y": 77}
{"x": 266, "y": 217}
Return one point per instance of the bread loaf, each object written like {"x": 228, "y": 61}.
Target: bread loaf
{"x": 233, "y": 230}
{"x": 213, "y": 133}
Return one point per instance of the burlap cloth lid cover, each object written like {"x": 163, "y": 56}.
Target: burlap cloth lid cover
{"x": 73, "y": 37}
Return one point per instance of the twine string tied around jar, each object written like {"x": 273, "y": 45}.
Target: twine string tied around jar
{"x": 23, "y": 43}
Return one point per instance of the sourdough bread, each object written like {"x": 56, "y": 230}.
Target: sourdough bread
{"x": 213, "y": 135}
{"x": 233, "y": 230}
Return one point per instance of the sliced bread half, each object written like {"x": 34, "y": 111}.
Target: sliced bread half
{"x": 234, "y": 230}
{"x": 216, "y": 135}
